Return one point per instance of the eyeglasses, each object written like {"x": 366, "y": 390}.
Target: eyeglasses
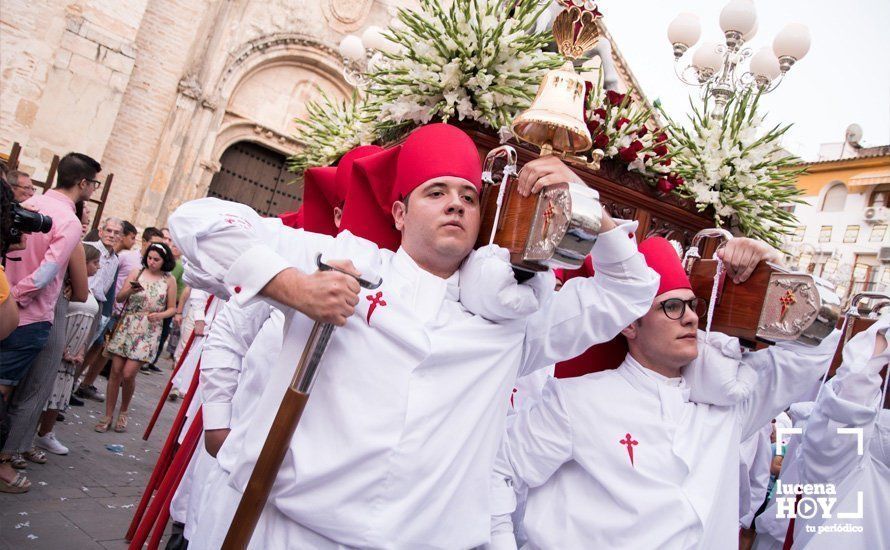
{"x": 29, "y": 188}
{"x": 675, "y": 308}
{"x": 96, "y": 183}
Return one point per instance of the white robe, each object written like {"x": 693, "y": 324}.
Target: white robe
{"x": 395, "y": 447}
{"x": 754, "y": 463}
{"x": 851, "y": 400}
{"x": 678, "y": 489}
{"x": 770, "y": 527}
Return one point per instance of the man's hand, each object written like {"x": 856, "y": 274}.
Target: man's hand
{"x": 200, "y": 327}
{"x": 550, "y": 170}
{"x": 177, "y": 319}
{"x": 328, "y": 296}
{"x": 214, "y": 439}
{"x": 741, "y": 256}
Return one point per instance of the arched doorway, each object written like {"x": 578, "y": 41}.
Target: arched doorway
{"x": 256, "y": 176}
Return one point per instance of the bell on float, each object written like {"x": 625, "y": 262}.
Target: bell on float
{"x": 555, "y": 120}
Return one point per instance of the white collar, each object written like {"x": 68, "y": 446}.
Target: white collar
{"x": 656, "y": 376}
{"x": 424, "y": 291}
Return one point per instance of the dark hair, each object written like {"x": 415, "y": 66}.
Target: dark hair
{"x": 91, "y": 252}
{"x": 151, "y": 232}
{"x": 78, "y": 210}
{"x": 6, "y": 202}
{"x": 166, "y": 255}
{"x": 75, "y": 167}
{"x": 129, "y": 228}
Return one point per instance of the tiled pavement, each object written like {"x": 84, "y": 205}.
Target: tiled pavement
{"x": 86, "y": 499}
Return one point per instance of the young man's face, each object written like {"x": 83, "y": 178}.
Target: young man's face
{"x": 87, "y": 186}
{"x": 127, "y": 241}
{"x": 442, "y": 218}
{"x": 152, "y": 240}
{"x": 670, "y": 342}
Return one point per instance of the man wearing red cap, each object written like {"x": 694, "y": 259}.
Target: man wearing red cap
{"x": 622, "y": 458}
{"x": 231, "y": 377}
{"x": 395, "y": 448}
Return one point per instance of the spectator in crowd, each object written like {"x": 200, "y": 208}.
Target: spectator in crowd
{"x": 150, "y": 297}
{"x": 29, "y": 399}
{"x": 129, "y": 260}
{"x": 102, "y": 287}
{"x": 36, "y": 279}
{"x": 79, "y": 321}
{"x": 9, "y": 311}
{"x": 22, "y": 188}
{"x": 170, "y": 329}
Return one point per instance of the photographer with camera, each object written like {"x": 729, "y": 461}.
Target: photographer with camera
{"x": 35, "y": 274}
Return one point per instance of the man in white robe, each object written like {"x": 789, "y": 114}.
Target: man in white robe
{"x": 852, "y": 400}
{"x": 622, "y": 458}
{"x": 395, "y": 447}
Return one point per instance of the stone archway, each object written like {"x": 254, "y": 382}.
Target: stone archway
{"x": 257, "y": 176}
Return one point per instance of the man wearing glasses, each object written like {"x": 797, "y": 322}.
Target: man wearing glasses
{"x": 102, "y": 287}
{"x": 624, "y": 458}
{"x": 22, "y": 188}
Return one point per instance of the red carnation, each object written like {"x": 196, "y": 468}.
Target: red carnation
{"x": 678, "y": 181}
{"x": 636, "y": 145}
{"x": 621, "y": 122}
{"x": 627, "y": 154}
{"x": 665, "y": 162}
{"x": 601, "y": 113}
{"x": 661, "y": 137}
{"x": 601, "y": 141}
{"x": 593, "y": 126}
{"x": 614, "y": 97}
{"x": 660, "y": 149}
{"x": 642, "y": 131}
{"x": 664, "y": 185}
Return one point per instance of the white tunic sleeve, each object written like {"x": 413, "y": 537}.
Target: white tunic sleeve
{"x": 850, "y": 400}
{"x": 592, "y": 310}
{"x": 234, "y": 330}
{"x": 537, "y": 442}
{"x": 229, "y": 245}
{"x": 785, "y": 372}
{"x": 197, "y": 303}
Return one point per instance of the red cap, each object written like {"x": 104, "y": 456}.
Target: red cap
{"x": 319, "y": 199}
{"x": 662, "y": 257}
{"x": 292, "y": 219}
{"x": 362, "y": 215}
{"x": 429, "y": 152}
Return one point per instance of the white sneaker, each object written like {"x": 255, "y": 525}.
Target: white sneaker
{"x": 51, "y": 444}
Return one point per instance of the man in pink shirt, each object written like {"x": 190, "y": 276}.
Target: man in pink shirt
{"x": 37, "y": 272}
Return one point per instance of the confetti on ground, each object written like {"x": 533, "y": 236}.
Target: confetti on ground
{"x": 20, "y": 525}
{"x": 85, "y": 489}
{"x": 23, "y": 513}
{"x": 112, "y": 506}
{"x": 41, "y": 483}
{"x": 127, "y": 506}
{"x": 63, "y": 498}
{"x": 33, "y": 536}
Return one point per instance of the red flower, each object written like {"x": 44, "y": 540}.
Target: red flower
{"x": 621, "y": 122}
{"x": 592, "y": 126}
{"x": 629, "y": 154}
{"x": 661, "y": 137}
{"x": 642, "y": 131}
{"x": 660, "y": 149}
{"x": 665, "y": 162}
{"x": 678, "y": 181}
{"x": 601, "y": 113}
{"x": 601, "y": 141}
{"x": 664, "y": 185}
{"x": 614, "y": 97}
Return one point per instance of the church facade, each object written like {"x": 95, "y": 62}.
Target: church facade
{"x": 179, "y": 99}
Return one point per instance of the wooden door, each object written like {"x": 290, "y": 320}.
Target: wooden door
{"x": 257, "y": 176}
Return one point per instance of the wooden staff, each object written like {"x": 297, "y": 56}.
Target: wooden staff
{"x": 283, "y": 426}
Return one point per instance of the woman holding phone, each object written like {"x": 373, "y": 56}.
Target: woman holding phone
{"x": 149, "y": 296}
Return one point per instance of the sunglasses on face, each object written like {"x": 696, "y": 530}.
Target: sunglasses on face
{"x": 675, "y": 308}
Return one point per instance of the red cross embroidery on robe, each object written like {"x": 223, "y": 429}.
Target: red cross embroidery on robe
{"x": 629, "y": 442}
{"x": 376, "y": 300}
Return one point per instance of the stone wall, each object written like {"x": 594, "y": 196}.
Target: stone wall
{"x": 64, "y": 69}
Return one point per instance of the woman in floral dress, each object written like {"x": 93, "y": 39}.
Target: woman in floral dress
{"x": 150, "y": 297}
